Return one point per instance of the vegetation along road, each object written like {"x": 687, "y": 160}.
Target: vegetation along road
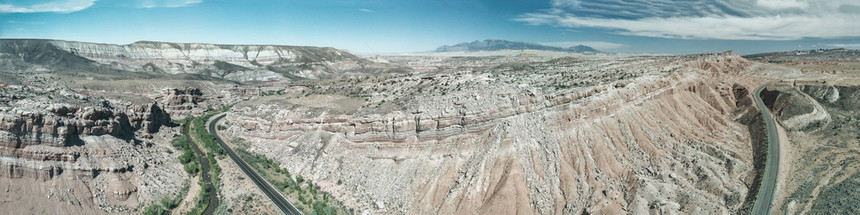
{"x": 273, "y": 194}
{"x": 764, "y": 199}
{"x": 204, "y": 164}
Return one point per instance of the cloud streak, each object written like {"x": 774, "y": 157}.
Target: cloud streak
{"x": 168, "y": 3}
{"x": 68, "y": 6}
{"x": 55, "y": 6}
{"x": 712, "y": 19}
{"x": 24, "y": 23}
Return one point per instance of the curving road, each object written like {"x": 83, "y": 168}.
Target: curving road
{"x": 204, "y": 172}
{"x": 272, "y": 193}
{"x": 764, "y": 199}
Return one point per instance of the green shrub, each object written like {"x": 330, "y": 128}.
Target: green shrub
{"x": 154, "y": 209}
{"x": 168, "y": 203}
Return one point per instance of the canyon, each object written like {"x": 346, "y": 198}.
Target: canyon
{"x": 87, "y": 128}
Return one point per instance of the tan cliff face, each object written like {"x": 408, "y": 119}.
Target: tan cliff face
{"x": 658, "y": 135}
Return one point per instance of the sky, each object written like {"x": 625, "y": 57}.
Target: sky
{"x": 397, "y": 26}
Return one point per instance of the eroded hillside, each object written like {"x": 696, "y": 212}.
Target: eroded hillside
{"x": 526, "y": 134}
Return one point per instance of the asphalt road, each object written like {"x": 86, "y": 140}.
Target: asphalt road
{"x": 204, "y": 167}
{"x": 272, "y": 193}
{"x": 764, "y": 199}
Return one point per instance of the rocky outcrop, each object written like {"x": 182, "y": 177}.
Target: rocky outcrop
{"x": 795, "y": 109}
{"x": 42, "y": 140}
{"x": 59, "y": 125}
{"x": 149, "y": 117}
{"x": 96, "y": 155}
{"x": 842, "y": 97}
{"x": 181, "y": 103}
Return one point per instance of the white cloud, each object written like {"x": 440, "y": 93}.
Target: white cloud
{"x": 366, "y": 10}
{"x": 24, "y": 23}
{"x": 781, "y": 4}
{"x": 54, "y": 6}
{"x": 67, "y": 6}
{"x": 716, "y": 19}
{"x": 730, "y": 28}
{"x": 599, "y": 45}
{"x": 168, "y": 3}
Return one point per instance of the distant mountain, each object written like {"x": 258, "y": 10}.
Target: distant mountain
{"x": 817, "y": 54}
{"x": 493, "y": 45}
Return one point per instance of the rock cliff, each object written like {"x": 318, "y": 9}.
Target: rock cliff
{"x": 91, "y": 155}
{"x": 59, "y": 125}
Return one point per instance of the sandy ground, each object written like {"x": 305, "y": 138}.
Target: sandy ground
{"x": 786, "y": 159}
{"x": 65, "y": 194}
{"x": 239, "y": 194}
{"x": 188, "y": 202}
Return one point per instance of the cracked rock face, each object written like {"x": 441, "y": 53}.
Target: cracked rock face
{"x": 519, "y": 134}
{"x": 94, "y": 155}
{"x": 59, "y": 125}
{"x": 181, "y": 103}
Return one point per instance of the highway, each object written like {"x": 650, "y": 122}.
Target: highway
{"x": 204, "y": 167}
{"x": 764, "y": 198}
{"x": 272, "y": 193}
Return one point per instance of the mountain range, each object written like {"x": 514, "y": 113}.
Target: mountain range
{"x": 242, "y": 63}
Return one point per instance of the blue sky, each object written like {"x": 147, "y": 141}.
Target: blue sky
{"x": 390, "y": 26}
